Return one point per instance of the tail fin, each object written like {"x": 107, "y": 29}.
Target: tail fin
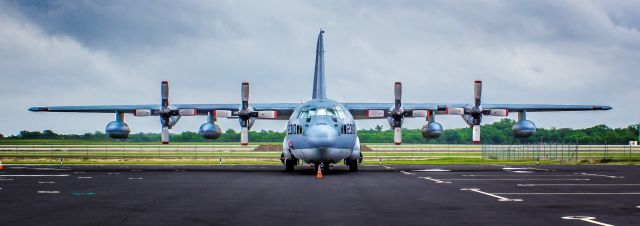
{"x": 319, "y": 90}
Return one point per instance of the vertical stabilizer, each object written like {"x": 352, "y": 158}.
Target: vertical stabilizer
{"x": 319, "y": 89}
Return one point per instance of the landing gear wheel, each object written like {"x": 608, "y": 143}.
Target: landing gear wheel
{"x": 353, "y": 165}
{"x": 289, "y": 164}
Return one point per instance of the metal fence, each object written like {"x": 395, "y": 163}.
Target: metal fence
{"x": 561, "y": 152}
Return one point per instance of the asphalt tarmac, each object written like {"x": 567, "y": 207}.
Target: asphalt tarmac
{"x": 266, "y": 195}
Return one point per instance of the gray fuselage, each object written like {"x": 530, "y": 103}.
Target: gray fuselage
{"x": 321, "y": 131}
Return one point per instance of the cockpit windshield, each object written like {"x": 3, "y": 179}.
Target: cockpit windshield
{"x": 309, "y": 111}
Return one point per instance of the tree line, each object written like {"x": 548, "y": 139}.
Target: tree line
{"x": 495, "y": 133}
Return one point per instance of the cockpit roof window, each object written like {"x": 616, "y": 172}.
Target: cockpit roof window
{"x": 308, "y": 111}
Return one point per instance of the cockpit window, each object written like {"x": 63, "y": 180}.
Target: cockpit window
{"x": 331, "y": 111}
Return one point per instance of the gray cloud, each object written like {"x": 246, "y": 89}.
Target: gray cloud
{"x": 117, "y": 52}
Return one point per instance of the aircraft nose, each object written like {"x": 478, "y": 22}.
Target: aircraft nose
{"x": 321, "y": 135}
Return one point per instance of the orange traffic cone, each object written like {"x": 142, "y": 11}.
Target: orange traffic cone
{"x": 319, "y": 174}
{"x": 1, "y": 166}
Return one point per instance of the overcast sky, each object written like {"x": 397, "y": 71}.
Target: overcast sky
{"x": 117, "y": 52}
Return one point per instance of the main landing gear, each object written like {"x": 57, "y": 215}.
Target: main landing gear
{"x": 353, "y": 164}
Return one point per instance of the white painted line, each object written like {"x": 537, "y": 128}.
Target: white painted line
{"x": 5, "y": 179}
{"x": 46, "y": 182}
{"x": 49, "y": 169}
{"x": 500, "y": 198}
{"x": 79, "y": 172}
{"x": 48, "y": 192}
{"x": 35, "y": 175}
{"x": 84, "y": 177}
{"x": 537, "y": 175}
{"x": 135, "y": 178}
{"x": 517, "y": 179}
{"x": 533, "y": 185}
{"x": 568, "y": 193}
{"x": 522, "y": 168}
{"x": 586, "y": 219}
{"x": 521, "y": 171}
{"x": 407, "y": 173}
{"x": 387, "y": 167}
{"x": 600, "y": 175}
{"x": 431, "y": 170}
{"x": 436, "y": 180}
{"x": 113, "y": 173}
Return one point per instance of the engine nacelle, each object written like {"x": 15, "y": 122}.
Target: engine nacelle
{"x": 523, "y": 128}
{"x": 431, "y": 130}
{"x": 210, "y": 131}
{"x": 118, "y": 130}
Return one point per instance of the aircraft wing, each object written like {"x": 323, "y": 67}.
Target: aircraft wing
{"x": 284, "y": 110}
{"x": 95, "y": 108}
{"x": 544, "y": 107}
{"x": 364, "y": 110}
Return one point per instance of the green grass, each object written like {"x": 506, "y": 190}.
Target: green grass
{"x": 110, "y": 142}
{"x": 144, "y": 162}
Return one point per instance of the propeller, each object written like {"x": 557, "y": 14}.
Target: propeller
{"x": 397, "y": 114}
{"x": 473, "y": 114}
{"x": 168, "y": 117}
{"x": 165, "y": 112}
{"x": 244, "y": 114}
{"x": 476, "y": 111}
{"x": 247, "y": 115}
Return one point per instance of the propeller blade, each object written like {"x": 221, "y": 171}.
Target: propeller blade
{"x": 245, "y": 95}
{"x": 223, "y": 113}
{"x": 188, "y": 112}
{"x": 420, "y": 113}
{"x": 498, "y": 112}
{"x": 142, "y": 112}
{"x": 476, "y": 134}
{"x": 165, "y": 135}
{"x": 398, "y": 94}
{"x": 375, "y": 113}
{"x": 268, "y": 114}
{"x": 455, "y": 111}
{"x": 477, "y": 91}
{"x": 164, "y": 93}
{"x": 397, "y": 135}
{"x": 244, "y": 136}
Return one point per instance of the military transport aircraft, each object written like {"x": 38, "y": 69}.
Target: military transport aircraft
{"x": 320, "y": 131}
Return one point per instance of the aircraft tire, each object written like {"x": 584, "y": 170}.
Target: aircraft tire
{"x": 353, "y": 165}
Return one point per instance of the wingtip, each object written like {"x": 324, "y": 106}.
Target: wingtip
{"x": 602, "y": 108}
{"x": 38, "y": 109}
